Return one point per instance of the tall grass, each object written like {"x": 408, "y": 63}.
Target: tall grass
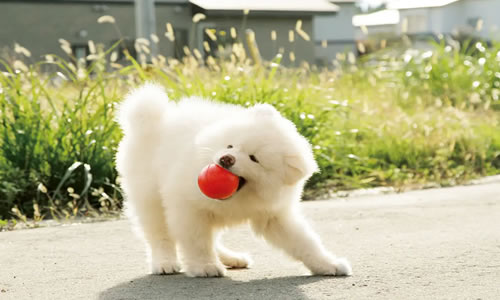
{"x": 58, "y": 139}
{"x": 393, "y": 119}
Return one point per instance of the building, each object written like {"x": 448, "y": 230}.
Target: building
{"x": 450, "y": 17}
{"x": 335, "y": 33}
{"x": 425, "y": 19}
{"x": 38, "y": 25}
{"x": 272, "y": 22}
{"x": 382, "y": 24}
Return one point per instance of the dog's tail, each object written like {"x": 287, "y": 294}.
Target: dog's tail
{"x": 143, "y": 109}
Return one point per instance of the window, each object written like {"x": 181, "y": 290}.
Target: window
{"x": 80, "y": 51}
{"x": 224, "y": 40}
{"x": 181, "y": 40}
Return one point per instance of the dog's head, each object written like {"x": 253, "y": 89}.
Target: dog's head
{"x": 261, "y": 147}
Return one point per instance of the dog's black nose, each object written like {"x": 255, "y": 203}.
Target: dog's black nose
{"x": 227, "y": 161}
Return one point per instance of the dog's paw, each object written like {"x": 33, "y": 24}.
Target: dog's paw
{"x": 236, "y": 260}
{"x": 343, "y": 267}
{"x": 165, "y": 268}
{"x": 339, "y": 267}
{"x": 207, "y": 270}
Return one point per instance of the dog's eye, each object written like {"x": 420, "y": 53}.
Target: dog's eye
{"x": 229, "y": 146}
{"x": 253, "y": 158}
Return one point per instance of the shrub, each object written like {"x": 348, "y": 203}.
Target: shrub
{"x": 386, "y": 120}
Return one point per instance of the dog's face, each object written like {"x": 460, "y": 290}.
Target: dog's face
{"x": 261, "y": 147}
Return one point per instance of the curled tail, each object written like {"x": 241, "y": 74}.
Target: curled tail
{"x": 142, "y": 110}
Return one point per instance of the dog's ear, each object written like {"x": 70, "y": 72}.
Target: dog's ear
{"x": 264, "y": 109}
{"x": 298, "y": 167}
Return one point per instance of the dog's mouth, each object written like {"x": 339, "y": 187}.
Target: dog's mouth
{"x": 242, "y": 182}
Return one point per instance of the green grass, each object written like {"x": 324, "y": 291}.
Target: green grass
{"x": 388, "y": 120}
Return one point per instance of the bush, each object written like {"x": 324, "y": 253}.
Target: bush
{"x": 48, "y": 126}
{"x": 386, "y": 120}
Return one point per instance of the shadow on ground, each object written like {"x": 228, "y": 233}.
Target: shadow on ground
{"x": 182, "y": 287}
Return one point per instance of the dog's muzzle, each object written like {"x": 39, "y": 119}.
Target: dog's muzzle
{"x": 227, "y": 161}
{"x": 242, "y": 182}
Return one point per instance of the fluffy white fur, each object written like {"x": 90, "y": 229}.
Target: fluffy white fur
{"x": 165, "y": 146}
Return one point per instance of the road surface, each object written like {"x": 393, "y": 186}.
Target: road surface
{"x": 430, "y": 244}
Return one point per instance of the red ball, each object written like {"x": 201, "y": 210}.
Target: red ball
{"x": 217, "y": 183}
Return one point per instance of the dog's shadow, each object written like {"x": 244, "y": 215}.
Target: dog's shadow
{"x": 182, "y": 287}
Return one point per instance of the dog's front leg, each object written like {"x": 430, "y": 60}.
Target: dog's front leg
{"x": 290, "y": 232}
{"x": 195, "y": 236}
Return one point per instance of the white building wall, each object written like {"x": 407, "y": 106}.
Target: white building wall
{"x": 417, "y": 20}
{"x": 488, "y": 11}
{"x": 335, "y": 27}
{"x": 436, "y": 20}
{"x": 337, "y": 30}
{"x": 459, "y": 16}
{"x": 378, "y": 30}
{"x": 452, "y": 18}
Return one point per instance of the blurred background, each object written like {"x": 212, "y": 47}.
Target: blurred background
{"x": 329, "y": 27}
{"x": 393, "y": 95}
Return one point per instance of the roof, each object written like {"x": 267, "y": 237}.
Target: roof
{"x": 409, "y": 4}
{"x": 298, "y": 6}
{"x": 381, "y": 17}
{"x": 99, "y": 1}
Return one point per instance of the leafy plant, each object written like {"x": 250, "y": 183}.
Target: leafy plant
{"x": 391, "y": 118}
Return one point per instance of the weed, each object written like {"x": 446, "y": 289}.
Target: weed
{"x": 387, "y": 120}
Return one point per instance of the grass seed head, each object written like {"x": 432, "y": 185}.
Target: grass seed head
{"x": 291, "y": 36}
{"x": 198, "y": 17}
{"x": 106, "y": 19}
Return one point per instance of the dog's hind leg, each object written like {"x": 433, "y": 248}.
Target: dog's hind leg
{"x": 148, "y": 215}
{"x": 233, "y": 259}
{"x": 195, "y": 235}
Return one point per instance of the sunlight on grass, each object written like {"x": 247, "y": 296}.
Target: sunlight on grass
{"x": 389, "y": 119}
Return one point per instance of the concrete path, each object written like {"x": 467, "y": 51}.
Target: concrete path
{"x": 432, "y": 244}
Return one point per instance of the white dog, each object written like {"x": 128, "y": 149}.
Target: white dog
{"x": 165, "y": 146}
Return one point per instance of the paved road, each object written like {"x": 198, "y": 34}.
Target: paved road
{"x": 432, "y": 244}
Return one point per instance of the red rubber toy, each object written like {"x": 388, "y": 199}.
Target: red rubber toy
{"x": 217, "y": 183}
